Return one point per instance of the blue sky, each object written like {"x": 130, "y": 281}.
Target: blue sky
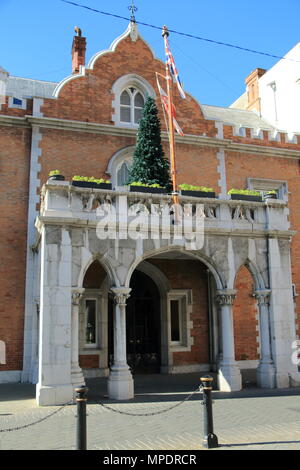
{"x": 37, "y": 37}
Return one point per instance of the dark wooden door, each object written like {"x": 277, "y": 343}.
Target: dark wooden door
{"x": 143, "y": 325}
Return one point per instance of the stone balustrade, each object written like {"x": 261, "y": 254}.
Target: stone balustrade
{"x": 63, "y": 203}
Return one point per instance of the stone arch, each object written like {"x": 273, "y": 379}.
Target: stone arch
{"x": 105, "y": 265}
{"x": 126, "y": 81}
{"x": 123, "y": 155}
{"x": 197, "y": 347}
{"x": 246, "y": 317}
{"x": 156, "y": 274}
{"x": 258, "y": 279}
{"x": 218, "y": 277}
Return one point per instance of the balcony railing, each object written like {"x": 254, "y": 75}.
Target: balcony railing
{"x": 63, "y": 203}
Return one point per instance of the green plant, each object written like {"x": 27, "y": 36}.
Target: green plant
{"x": 149, "y": 165}
{"x": 139, "y": 183}
{"x": 190, "y": 187}
{"x": 248, "y": 192}
{"x": 54, "y": 172}
{"x": 90, "y": 179}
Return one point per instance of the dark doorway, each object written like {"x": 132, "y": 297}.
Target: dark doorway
{"x": 142, "y": 326}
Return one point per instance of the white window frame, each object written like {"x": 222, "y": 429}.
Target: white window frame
{"x": 115, "y": 163}
{"x": 97, "y": 313}
{"x": 95, "y": 348}
{"x": 264, "y": 185}
{"x": 122, "y": 83}
{"x": 131, "y": 106}
{"x": 17, "y": 106}
{"x": 184, "y": 297}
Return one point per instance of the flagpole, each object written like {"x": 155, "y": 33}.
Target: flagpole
{"x": 165, "y": 34}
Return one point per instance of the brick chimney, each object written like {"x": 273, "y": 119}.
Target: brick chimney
{"x": 78, "y": 51}
{"x": 253, "y": 89}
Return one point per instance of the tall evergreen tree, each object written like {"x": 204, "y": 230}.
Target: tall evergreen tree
{"x": 149, "y": 164}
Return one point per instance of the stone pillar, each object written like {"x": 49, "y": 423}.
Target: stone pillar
{"x": 120, "y": 381}
{"x": 54, "y": 385}
{"x": 77, "y": 378}
{"x": 282, "y": 310}
{"x": 266, "y": 368}
{"x": 229, "y": 376}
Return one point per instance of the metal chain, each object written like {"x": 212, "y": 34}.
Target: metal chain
{"x": 38, "y": 421}
{"x": 149, "y": 414}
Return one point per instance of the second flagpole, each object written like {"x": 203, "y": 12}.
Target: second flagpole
{"x": 165, "y": 34}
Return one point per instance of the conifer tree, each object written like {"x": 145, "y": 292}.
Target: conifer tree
{"x": 149, "y": 165}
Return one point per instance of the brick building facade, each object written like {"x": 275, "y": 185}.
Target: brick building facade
{"x": 76, "y": 305}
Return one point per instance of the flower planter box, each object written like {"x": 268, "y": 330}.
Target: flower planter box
{"x": 246, "y": 197}
{"x": 56, "y": 178}
{"x": 146, "y": 189}
{"x": 185, "y": 192}
{"x": 91, "y": 184}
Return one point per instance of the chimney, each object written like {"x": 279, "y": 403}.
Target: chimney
{"x": 78, "y": 51}
{"x": 253, "y": 89}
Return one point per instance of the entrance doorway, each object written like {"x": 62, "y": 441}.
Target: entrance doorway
{"x": 143, "y": 333}
{"x": 143, "y": 325}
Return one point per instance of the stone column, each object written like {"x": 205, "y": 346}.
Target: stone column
{"x": 229, "y": 376}
{"x": 77, "y": 378}
{"x": 120, "y": 381}
{"x": 266, "y": 368}
{"x": 54, "y": 385}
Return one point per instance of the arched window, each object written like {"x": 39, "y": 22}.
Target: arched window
{"x": 131, "y": 105}
{"x": 119, "y": 166}
{"x": 129, "y": 92}
{"x": 123, "y": 174}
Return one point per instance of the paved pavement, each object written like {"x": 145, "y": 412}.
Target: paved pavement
{"x": 253, "y": 419}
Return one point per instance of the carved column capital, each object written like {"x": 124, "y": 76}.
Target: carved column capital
{"x": 121, "y": 294}
{"x": 262, "y": 296}
{"x": 77, "y": 296}
{"x": 226, "y": 296}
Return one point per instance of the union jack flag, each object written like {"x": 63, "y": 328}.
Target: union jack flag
{"x": 172, "y": 68}
{"x": 164, "y": 99}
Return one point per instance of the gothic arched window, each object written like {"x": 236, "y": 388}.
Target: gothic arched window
{"x": 123, "y": 174}
{"x": 131, "y": 105}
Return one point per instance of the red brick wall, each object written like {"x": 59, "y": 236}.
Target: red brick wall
{"x": 89, "y": 98}
{"x": 87, "y": 154}
{"x": 245, "y": 322}
{"x": 90, "y": 361}
{"x": 240, "y": 166}
{"x": 14, "y": 162}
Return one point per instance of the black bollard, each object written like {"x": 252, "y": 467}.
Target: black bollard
{"x": 210, "y": 440}
{"x": 81, "y": 400}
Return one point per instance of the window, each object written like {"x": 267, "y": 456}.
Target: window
{"x": 16, "y": 102}
{"x": 123, "y": 174}
{"x": 129, "y": 92}
{"x": 91, "y": 322}
{"x": 265, "y": 185}
{"x": 176, "y": 317}
{"x": 180, "y": 305}
{"x": 131, "y": 106}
